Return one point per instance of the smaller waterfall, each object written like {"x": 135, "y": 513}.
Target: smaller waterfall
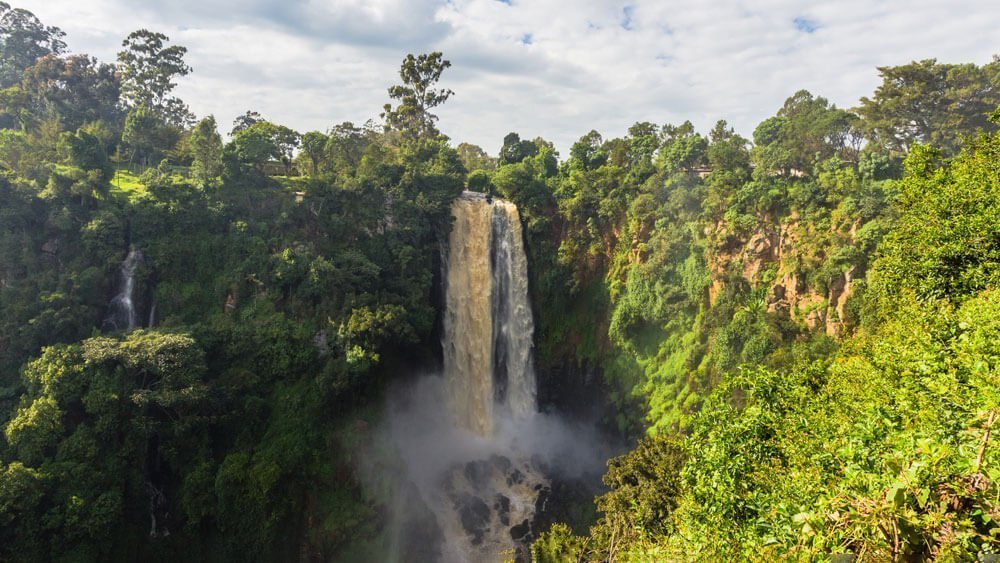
{"x": 122, "y": 314}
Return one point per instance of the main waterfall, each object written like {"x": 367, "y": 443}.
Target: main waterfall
{"x": 488, "y": 325}
{"x": 481, "y": 479}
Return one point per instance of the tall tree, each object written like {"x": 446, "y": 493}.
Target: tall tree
{"x": 806, "y": 130}
{"x": 77, "y": 89}
{"x": 314, "y": 149}
{"x": 24, "y": 40}
{"x": 346, "y": 145}
{"x": 931, "y": 103}
{"x": 683, "y": 148}
{"x": 206, "y": 148}
{"x": 417, "y": 96}
{"x": 148, "y": 69}
{"x": 244, "y": 121}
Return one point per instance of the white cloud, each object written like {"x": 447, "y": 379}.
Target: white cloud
{"x": 311, "y": 64}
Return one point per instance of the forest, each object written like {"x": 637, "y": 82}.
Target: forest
{"x": 797, "y": 335}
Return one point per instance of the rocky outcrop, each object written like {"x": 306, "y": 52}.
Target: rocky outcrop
{"x": 773, "y": 255}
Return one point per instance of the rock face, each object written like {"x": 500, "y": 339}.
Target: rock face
{"x": 776, "y": 255}
{"x": 494, "y": 503}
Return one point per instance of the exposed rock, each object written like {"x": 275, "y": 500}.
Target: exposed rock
{"x": 840, "y": 291}
{"x": 520, "y": 532}
{"x": 474, "y": 515}
{"x": 502, "y": 506}
{"x": 778, "y": 246}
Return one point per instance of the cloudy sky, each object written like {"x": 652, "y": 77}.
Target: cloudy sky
{"x": 555, "y": 69}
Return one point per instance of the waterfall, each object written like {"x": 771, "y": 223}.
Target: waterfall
{"x": 478, "y": 459}
{"x": 122, "y": 313}
{"x": 488, "y": 325}
{"x": 513, "y": 326}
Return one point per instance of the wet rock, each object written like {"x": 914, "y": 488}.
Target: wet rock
{"x": 520, "y": 532}
{"x": 475, "y": 517}
{"x": 477, "y": 473}
{"x": 515, "y": 477}
{"x": 502, "y": 506}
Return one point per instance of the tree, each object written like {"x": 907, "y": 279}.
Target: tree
{"x": 729, "y": 162}
{"x": 77, "y": 89}
{"x": 515, "y": 150}
{"x": 475, "y": 158}
{"x": 643, "y": 140}
{"x": 244, "y": 121}
{"x": 286, "y": 140}
{"x": 85, "y": 151}
{"x": 24, "y": 40}
{"x": 264, "y": 141}
{"x": 314, "y": 149}
{"x": 417, "y": 96}
{"x": 110, "y": 421}
{"x": 927, "y": 102}
{"x": 946, "y": 243}
{"x": 806, "y": 130}
{"x": 588, "y": 152}
{"x": 206, "y": 149}
{"x": 683, "y": 148}
{"x": 346, "y": 144}
{"x": 148, "y": 69}
{"x": 146, "y": 136}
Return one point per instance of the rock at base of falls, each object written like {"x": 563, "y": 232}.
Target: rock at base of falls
{"x": 486, "y": 496}
{"x": 475, "y": 516}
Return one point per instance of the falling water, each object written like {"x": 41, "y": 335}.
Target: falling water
{"x": 513, "y": 325}
{"x": 476, "y": 477}
{"x": 468, "y": 461}
{"x": 488, "y": 325}
{"x": 122, "y": 313}
{"x": 468, "y": 326}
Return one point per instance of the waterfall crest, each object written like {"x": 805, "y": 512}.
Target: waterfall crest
{"x": 488, "y": 327}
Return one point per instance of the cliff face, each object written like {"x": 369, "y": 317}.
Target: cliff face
{"x": 792, "y": 264}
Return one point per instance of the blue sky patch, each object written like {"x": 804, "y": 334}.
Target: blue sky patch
{"x": 626, "y": 21}
{"x": 805, "y": 25}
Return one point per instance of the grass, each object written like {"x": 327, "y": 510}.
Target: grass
{"x": 127, "y": 184}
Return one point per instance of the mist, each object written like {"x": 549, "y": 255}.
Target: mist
{"x": 452, "y": 495}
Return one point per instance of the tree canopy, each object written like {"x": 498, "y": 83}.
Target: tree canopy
{"x": 417, "y": 96}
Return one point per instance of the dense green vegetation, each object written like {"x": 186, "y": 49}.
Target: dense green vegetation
{"x": 800, "y": 329}
{"x": 282, "y": 305}
{"x": 804, "y": 329}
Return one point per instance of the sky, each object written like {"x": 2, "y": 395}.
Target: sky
{"x": 554, "y": 69}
